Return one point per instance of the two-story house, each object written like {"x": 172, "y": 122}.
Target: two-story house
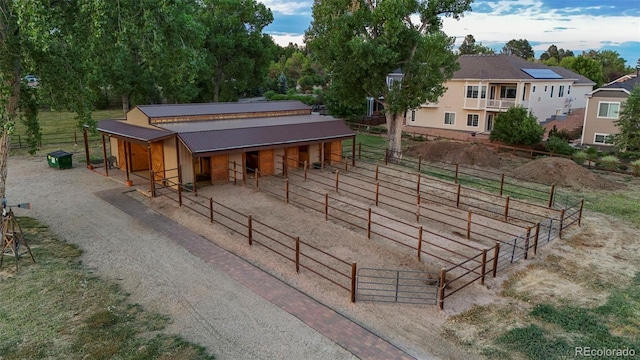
{"x": 603, "y": 108}
{"x": 488, "y": 84}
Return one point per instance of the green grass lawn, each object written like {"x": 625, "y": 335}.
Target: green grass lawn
{"x": 57, "y": 309}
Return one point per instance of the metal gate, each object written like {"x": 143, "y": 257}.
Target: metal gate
{"x": 401, "y": 286}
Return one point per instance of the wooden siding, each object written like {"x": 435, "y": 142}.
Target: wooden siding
{"x": 139, "y": 157}
{"x": 266, "y": 163}
{"x": 121, "y": 161}
{"x": 292, "y": 156}
{"x": 220, "y": 168}
{"x": 157, "y": 160}
{"x": 336, "y": 151}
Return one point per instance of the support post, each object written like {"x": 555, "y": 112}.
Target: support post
{"x": 256, "y": 174}
{"x": 322, "y": 156}
{"x": 353, "y": 151}
{"x": 386, "y": 156}
{"x": 580, "y": 213}
{"x": 104, "y": 156}
{"x": 420, "y": 163}
{"x": 179, "y": 187}
{"x": 211, "y": 210}
{"x": 551, "y": 195}
{"x": 152, "y": 184}
{"x": 297, "y": 255}
{"x": 377, "y": 192}
{"x": 369, "y": 224}
{"x": 86, "y": 148}
{"x": 496, "y": 253}
{"x": 458, "y": 197}
{"x": 420, "y": 243}
{"x": 376, "y": 171}
{"x": 306, "y": 165}
{"x": 443, "y": 282}
{"x": 359, "y": 151}
{"x": 286, "y": 189}
{"x": 561, "y": 223}
{"x": 535, "y": 240}
{"x": 418, "y": 186}
{"x": 250, "y": 230}
{"x": 506, "y": 209}
{"x": 326, "y": 206}
{"x": 526, "y": 243}
{"x": 235, "y": 173}
{"x": 354, "y": 271}
{"x": 469, "y": 226}
{"x": 337, "y": 177}
{"x": 484, "y": 265}
{"x": 455, "y": 179}
{"x": 502, "y": 184}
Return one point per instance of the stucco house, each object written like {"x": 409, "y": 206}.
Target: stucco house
{"x": 487, "y": 84}
{"x": 603, "y": 108}
{"x": 213, "y": 142}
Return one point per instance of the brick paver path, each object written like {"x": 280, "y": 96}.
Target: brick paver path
{"x": 359, "y": 341}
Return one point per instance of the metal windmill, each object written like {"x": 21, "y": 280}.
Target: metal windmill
{"x": 12, "y": 237}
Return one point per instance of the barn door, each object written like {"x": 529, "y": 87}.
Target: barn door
{"x": 157, "y": 160}
{"x": 220, "y": 168}
{"x": 336, "y": 151}
{"x": 139, "y": 157}
{"x": 266, "y": 164}
{"x": 121, "y": 161}
{"x": 291, "y": 153}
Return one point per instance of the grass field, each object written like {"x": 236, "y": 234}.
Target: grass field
{"x": 56, "y": 309}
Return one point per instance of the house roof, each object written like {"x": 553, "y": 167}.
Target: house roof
{"x": 123, "y": 129}
{"x": 625, "y": 84}
{"x": 210, "y": 141}
{"x": 507, "y": 67}
{"x": 178, "y": 110}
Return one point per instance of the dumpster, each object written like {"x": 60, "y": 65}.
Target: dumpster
{"x": 59, "y": 159}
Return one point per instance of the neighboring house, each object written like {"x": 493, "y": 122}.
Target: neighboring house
{"x": 488, "y": 84}
{"x": 603, "y": 108}
{"x": 209, "y": 142}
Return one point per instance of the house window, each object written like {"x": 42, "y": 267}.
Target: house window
{"x": 449, "y": 118}
{"x": 472, "y": 91}
{"x": 534, "y": 89}
{"x": 489, "y": 122}
{"x": 561, "y": 91}
{"x": 608, "y": 110}
{"x": 483, "y": 92}
{"x": 413, "y": 115}
{"x": 600, "y": 138}
{"x": 569, "y": 90}
{"x": 472, "y": 120}
{"x": 545, "y": 88}
{"x": 551, "y": 91}
{"x": 508, "y": 92}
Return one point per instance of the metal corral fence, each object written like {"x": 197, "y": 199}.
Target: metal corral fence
{"x": 19, "y": 141}
{"x": 301, "y": 254}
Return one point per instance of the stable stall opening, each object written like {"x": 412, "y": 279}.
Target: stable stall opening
{"x": 251, "y": 161}
{"x": 202, "y": 168}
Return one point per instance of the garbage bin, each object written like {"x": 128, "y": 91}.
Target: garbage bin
{"x": 60, "y": 159}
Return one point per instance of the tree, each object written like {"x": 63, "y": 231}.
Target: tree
{"x": 360, "y": 42}
{"x": 585, "y": 66}
{"x": 517, "y": 126}
{"x": 519, "y": 48}
{"x": 556, "y": 54}
{"x": 628, "y": 139}
{"x": 469, "y": 46}
{"x": 613, "y": 66}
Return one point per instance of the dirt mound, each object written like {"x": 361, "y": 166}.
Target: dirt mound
{"x": 562, "y": 172}
{"x": 456, "y": 153}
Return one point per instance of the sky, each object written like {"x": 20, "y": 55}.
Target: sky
{"x": 576, "y": 25}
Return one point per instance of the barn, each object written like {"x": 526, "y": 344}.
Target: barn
{"x": 206, "y": 143}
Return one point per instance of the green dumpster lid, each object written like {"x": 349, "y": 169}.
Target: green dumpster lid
{"x": 59, "y": 153}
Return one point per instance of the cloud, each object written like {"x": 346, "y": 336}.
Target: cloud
{"x": 289, "y": 7}
{"x": 284, "y": 39}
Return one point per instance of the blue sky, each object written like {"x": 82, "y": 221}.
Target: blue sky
{"x": 576, "y": 25}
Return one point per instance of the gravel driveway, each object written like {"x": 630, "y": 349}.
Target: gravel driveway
{"x": 206, "y": 306}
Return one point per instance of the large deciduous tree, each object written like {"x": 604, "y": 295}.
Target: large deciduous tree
{"x": 585, "y": 66}
{"x": 359, "y": 42}
{"x": 520, "y": 48}
{"x": 628, "y": 139}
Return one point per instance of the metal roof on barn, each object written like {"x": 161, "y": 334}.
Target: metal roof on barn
{"x": 123, "y": 129}
{"x": 203, "y": 109}
{"x": 264, "y": 136}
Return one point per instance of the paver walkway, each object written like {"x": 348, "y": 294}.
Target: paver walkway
{"x": 354, "y": 338}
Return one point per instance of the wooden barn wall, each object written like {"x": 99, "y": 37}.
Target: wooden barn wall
{"x": 186, "y": 164}
{"x": 137, "y": 117}
{"x": 219, "y": 168}
{"x": 314, "y": 153}
{"x": 121, "y": 161}
{"x": 336, "y": 151}
{"x": 292, "y": 156}
{"x": 157, "y": 160}
{"x": 278, "y": 157}
{"x": 266, "y": 164}
{"x": 170, "y": 159}
{"x": 139, "y": 157}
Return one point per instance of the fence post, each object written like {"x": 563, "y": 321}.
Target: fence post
{"x": 501, "y": 184}
{"x": 255, "y": 176}
{"x": 346, "y": 163}
{"x": 458, "y": 197}
{"x": 455, "y": 179}
{"x": 235, "y": 173}
{"x": 580, "y": 213}
{"x": 250, "y": 230}
{"x": 535, "y": 240}
{"x": 75, "y": 138}
{"x": 561, "y": 224}
{"x": 420, "y": 243}
{"x": 153, "y": 183}
{"x": 443, "y": 281}
{"x": 526, "y": 243}
{"x": 376, "y": 171}
{"x": 179, "y": 193}
{"x": 377, "y": 192}
{"x": 496, "y": 253}
{"x": 420, "y": 163}
{"x": 369, "y": 224}
{"x": 469, "y": 226}
{"x": 359, "y": 151}
{"x": 337, "y": 177}
{"x": 386, "y": 156}
{"x": 418, "y": 186}
{"x": 506, "y": 209}
{"x": 551, "y": 195}
{"x": 284, "y": 164}
{"x": 326, "y": 206}
{"x": 297, "y": 254}
{"x": 211, "y": 209}
{"x": 354, "y": 271}
{"x": 484, "y": 265}
{"x": 286, "y": 188}
{"x": 306, "y": 165}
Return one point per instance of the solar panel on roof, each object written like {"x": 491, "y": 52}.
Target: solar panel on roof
{"x": 542, "y": 73}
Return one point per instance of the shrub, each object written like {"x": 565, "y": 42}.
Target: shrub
{"x": 635, "y": 165}
{"x": 269, "y": 94}
{"x": 608, "y": 162}
{"x": 517, "y": 126}
{"x": 579, "y": 157}
{"x": 558, "y": 145}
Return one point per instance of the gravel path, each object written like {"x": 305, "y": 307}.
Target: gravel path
{"x": 205, "y": 305}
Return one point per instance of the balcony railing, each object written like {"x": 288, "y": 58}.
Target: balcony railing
{"x": 500, "y": 104}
